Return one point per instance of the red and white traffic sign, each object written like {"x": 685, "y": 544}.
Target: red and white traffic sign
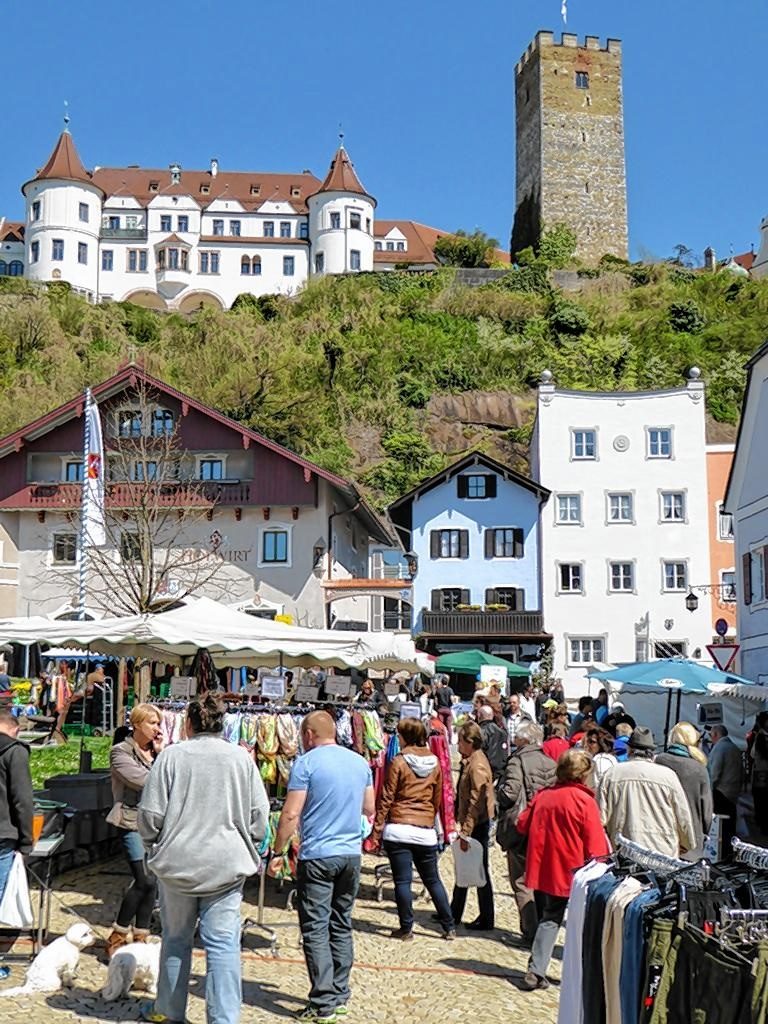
{"x": 723, "y": 655}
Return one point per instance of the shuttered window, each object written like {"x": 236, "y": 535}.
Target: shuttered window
{"x": 476, "y": 485}
{"x": 504, "y": 542}
{"x": 449, "y": 544}
{"x": 449, "y": 598}
{"x": 512, "y": 597}
{"x": 746, "y": 571}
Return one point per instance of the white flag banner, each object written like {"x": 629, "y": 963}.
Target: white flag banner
{"x": 94, "y": 531}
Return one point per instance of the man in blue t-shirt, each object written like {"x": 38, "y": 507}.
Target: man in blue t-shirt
{"x": 329, "y": 789}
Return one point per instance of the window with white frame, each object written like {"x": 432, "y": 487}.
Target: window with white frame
{"x": 274, "y": 547}
{"x": 129, "y": 423}
{"x": 210, "y": 469}
{"x": 571, "y": 576}
{"x": 64, "y": 548}
{"x": 675, "y": 575}
{"x": 620, "y": 508}
{"x": 569, "y": 508}
{"x": 724, "y": 524}
{"x": 659, "y": 442}
{"x": 586, "y": 650}
{"x": 449, "y": 544}
{"x": 73, "y": 471}
{"x": 621, "y": 577}
{"x": 583, "y": 444}
{"x": 673, "y": 506}
{"x": 641, "y": 648}
{"x": 728, "y": 585}
{"x": 162, "y": 422}
{"x": 397, "y": 614}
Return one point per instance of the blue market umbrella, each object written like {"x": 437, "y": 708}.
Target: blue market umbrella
{"x": 670, "y": 674}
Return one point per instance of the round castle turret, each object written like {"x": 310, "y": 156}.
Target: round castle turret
{"x": 63, "y": 221}
{"x": 341, "y": 221}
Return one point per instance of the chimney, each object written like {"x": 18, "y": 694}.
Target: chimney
{"x": 710, "y": 260}
{"x": 175, "y": 170}
{"x": 214, "y": 167}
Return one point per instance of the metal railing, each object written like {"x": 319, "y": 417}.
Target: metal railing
{"x": 480, "y": 623}
{"x": 172, "y": 493}
{"x": 125, "y": 234}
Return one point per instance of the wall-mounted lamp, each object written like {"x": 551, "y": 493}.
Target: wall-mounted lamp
{"x": 266, "y": 513}
{"x": 691, "y": 601}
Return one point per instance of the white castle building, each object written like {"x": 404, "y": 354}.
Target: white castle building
{"x": 178, "y": 239}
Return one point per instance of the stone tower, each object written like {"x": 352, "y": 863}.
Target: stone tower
{"x": 570, "y": 144}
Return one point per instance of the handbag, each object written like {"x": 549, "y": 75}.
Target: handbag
{"x": 469, "y": 870}
{"x": 507, "y": 835}
{"x": 15, "y": 906}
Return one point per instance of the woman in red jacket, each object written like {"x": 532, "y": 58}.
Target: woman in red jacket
{"x": 564, "y": 832}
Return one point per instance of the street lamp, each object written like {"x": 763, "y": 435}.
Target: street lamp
{"x": 691, "y": 601}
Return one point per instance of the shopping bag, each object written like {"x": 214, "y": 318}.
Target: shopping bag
{"x": 15, "y": 907}
{"x": 468, "y": 865}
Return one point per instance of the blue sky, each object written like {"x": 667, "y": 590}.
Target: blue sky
{"x": 424, "y": 92}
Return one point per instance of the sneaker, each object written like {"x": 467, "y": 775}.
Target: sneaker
{"x": 313, "y": 1016}
{"x": 147, "y": 1012}
{"x": 405, "y": 934}
{"x": 342, "y": 1010}
{"x": 532, "y": 981}
{"x": 450, "y": 935}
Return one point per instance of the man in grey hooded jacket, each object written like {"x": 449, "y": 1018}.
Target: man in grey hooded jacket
{"x": 202, "y": 816}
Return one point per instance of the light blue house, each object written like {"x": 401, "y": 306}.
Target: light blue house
{"x": 474, "y": 532}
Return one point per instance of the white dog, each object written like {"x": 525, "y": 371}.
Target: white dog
{"x": 135, "y": 965}
{"x": 55, "y": 965}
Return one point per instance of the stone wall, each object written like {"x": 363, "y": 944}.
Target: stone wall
{"x": 570, "y": 144}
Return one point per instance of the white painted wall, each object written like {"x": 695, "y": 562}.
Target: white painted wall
{"x": 622, "y": 465}
{"x": 336, "y": 244}
{"x": 60, "y": 219}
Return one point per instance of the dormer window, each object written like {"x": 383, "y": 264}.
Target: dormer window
{"x": 476, "y": 485}
{"x": 377, "y": 246}
{"x": 255, "y": 190}
{"x": 205, "y": 190}
{"x": 295, "y": 191}
{"x": 154, "y": 186}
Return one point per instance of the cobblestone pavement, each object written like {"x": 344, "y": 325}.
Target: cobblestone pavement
{"x": 474, "y": 978}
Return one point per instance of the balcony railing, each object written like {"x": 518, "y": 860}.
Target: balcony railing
{"x": 482, "y": 624}
{"x": 125, "y": 234}
{"x": 124, "y": 495}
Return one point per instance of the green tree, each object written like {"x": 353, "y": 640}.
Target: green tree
{"x": 557, "y": 246}
{"x": 464, "y": 250}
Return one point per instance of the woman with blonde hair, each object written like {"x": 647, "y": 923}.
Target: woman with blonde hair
{"x": 564, "y": 832}
{"x": 684, "y": 756}
{"x": 130, "y": 762}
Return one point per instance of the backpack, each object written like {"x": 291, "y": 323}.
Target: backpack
{"x": 507, "y": 835}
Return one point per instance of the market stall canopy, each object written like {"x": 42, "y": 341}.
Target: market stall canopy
{"x": 232, "y": 638}
{"x": 470, "y": 662}
{"x": 659, "y": 675}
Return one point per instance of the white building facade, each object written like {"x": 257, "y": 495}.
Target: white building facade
{"x": 625, "y": 534}
{"x": 746, "y": 499}
{"x": 178, "y": 239}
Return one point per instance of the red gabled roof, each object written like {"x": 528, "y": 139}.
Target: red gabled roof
{"x": 746, "y": 259}
{"x": 421, "y": 243}
{"x": 11, "y": 230}
{"x": 341, "y": 176}
{"x": 64, "y": 162}
{"x": 129, "y": 376}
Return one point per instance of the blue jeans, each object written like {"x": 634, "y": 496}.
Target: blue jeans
{"x": 219, "y": 918}
{"x": 327, "y": 888}
{"x": 7, "y": 850}
{"x": 402, "y": 857}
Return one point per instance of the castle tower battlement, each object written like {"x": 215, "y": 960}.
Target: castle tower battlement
{"x": 570, "y": 144}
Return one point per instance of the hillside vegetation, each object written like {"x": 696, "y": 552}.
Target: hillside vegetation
{"x": 376, "y": 376}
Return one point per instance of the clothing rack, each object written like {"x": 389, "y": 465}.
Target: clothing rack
{"x": 660, "y": 863}
{"x": 754, "y": 856}
{"x": 742, "y": 926}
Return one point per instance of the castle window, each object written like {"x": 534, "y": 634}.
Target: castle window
{"x": 205, "y": 190}
{"x": 335, "y": 220}
{"x": 295, "y": 191}
{"x": 165, "y": 223}
{"x": 354, "y": 259}
{"x": 137, "y": 260}
{"x": 57, "y": 249}
{"x": 401, "y": 246}
{"x": 256, "y": 265}
{"x": 34, "y": 252}
{"x": 36, "y": 210}
{"x": 354, "y": 221}
{"x": 182, "y": 223}
{"x": 83, "y": 213}
{"x": 218, "y": 227}
{"x": 106, "y": 259}
{"x": 113, "y": 223}
{"x": 319, "y": 263}
{"x": 255, "y": 190}
{"x": 390, "y": 246}
{"x": 368, "y": 225}
{"x": 377, "y": 246}
{"x": 245, "y": 265}
{"x": 15, "y": 268}
{"x": 234, "y": 228}
{"x": 303, "y": 229}
{"x": 288, "y": 265}
{"x": 154, "y": 186}
{"x": 269, "y": 229}
{"x": 285, "y": 229}
{"x": 582, "y": 79}
{"x": 3, "y": 268}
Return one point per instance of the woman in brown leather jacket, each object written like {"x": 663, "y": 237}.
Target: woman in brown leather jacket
{"x": 405, "y": 820}
{"x": 130, "y": 762}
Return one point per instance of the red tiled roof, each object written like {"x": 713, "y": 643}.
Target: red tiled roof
{"x": 341, "y": 176}
{"x": 234, "y": 185}
{"x": 746, "y": 259}
{"x": 64, "y": 162}
{"x": 11, "y": 231}
{"x": 421, "y": 243}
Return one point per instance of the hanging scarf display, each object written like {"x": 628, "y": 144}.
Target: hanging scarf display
{"x": 267, "y": 745}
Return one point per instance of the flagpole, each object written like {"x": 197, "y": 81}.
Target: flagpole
{"x": 83, "y": 561}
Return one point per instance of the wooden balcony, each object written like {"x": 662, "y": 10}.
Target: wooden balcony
{"x": 482, "y": 625}
{"x": 174, "y": 494}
